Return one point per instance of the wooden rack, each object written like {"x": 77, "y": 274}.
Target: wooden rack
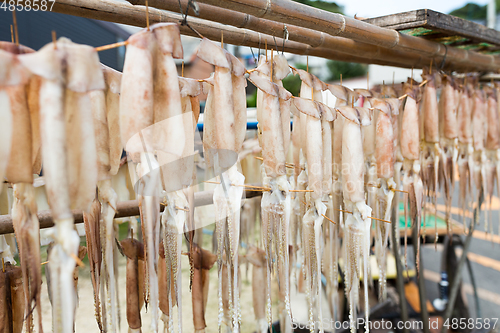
{"x": 343, "y": 38}
{"x": 442, "y": 28}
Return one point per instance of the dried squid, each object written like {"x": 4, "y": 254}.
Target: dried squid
{"x": 410, "y": 147}
{"x": 257, "y": 257}
{"x": 23, "y": 162}
{"x": 431, "y": 149}
{"x": 491, "y": 147}
{"x": 479, "y": 135}
{"x": 134, "y": 251}
{"x": 319, "y": 131}
{"x": 384, "y": 156}
{"x": 105, "y": 111}
{"x": 274, "y": 124}
{"x": 344, "y": 96}
{"x": 13, "y": 74}
{"x": 448, "y": 108}
{"x": 465, "y": 147}
{"x": 68, "y": 72}
{"x": 149, "y": 65}
{"x": 203, "y": 261}
{"x": 357, "y": 223}
{"x": 226, "y": 119}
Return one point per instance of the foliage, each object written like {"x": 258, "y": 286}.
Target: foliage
{"x": 471, "y": 11}
{"x": 252, "y": 100}
{"x": 347, "y": 69}
{"x": 325, "y": 5}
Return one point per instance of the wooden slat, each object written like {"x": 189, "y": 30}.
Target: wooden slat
{"x": 443, "y": 23}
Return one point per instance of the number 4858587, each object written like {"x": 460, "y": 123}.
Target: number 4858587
{"x": 470, "y": 323}
{"x": 27, "y": 5}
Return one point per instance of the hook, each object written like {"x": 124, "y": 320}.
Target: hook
{"x": 286, "y": 34}
{"x": 191, "y": 4}
{"x": 259, "y": 49}
{"x": 444, "y": 58}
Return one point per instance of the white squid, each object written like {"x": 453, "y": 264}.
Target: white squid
{"x": 68, "y": 72}
{"x": 226, "y": 119}
{"x": 357, "y": 224}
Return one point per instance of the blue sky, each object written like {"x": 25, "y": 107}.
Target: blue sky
{"x": 374, "y": 8}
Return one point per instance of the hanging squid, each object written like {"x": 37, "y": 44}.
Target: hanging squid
{"x": 105, "y": 111}
{"x": 491, "y": 148}
{"x": 319, "y": 131}
{"x": 134, "y": 251}
{"x": 149, "y": 65}
{"x": 465, "y": 147}
{"x": 274, "y": 125}
{"x": 479, "y": 134}
{"x": 257, "y": 257}
{"x": 384, "y": 157}
{"x": 276, "y": 204}
{"x": 226, "y": 119}
{"x": 203, "y": 261}
{"x": 448, "y": 108}
{"x": 357, "y": 223}
{"x": 91, "y": 221}
{"x": 68, "y": 72}
{"x": 431, "y": 149}
{"x": 344, "y": 96}
{"x": 23, "y": 162}
{"x": 410, "y": 148}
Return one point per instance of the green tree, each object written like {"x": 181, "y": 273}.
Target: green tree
{"x": 473, "y": 11}
{"x": 325, "y": 5}
{"x": 470, "y": 11}
{"x": 347, "y": 69}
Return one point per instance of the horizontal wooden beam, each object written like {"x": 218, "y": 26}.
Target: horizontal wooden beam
{"x": 290, "y": 12}
{"x": 123, "y": 209}
{"x": 126, "y": 13}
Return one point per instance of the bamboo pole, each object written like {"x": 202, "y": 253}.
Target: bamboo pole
{"x": 126, "y": 13}
{"x": 310, "y": 37}
{"x": 123, "y": 209}
{"x": 290, "y": 12}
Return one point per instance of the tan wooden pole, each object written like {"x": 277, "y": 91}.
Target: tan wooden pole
{"x": 298, "y": 34}
{"x": 126, "y": 13}
{"x": 290, "y": 12}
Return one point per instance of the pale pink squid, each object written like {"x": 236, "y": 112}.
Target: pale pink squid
{"x": 68, "y": 72}
{"x": 465, "y": 147}
{"x": 274, "y": 120}
{"x": 479, "y": 135}
{"x": 276, "y": 204}
{"x": 448, "y": 111}
{"x": 105, "y": 111}
{"x": 317, "y": 114}
{"x": 431, "y": 148}
{"x": 491, "y": 147}
{"x": 358, "y": 223}
{"x": 385, "y": 156}
{"x": 226, "y": 121}
{"x": 410, "y": 150}
{"x": 150, "y": 96}
{"x": 23, "y": 162}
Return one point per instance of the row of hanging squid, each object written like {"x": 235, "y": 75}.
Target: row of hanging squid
{"x": 330, "y": 184}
